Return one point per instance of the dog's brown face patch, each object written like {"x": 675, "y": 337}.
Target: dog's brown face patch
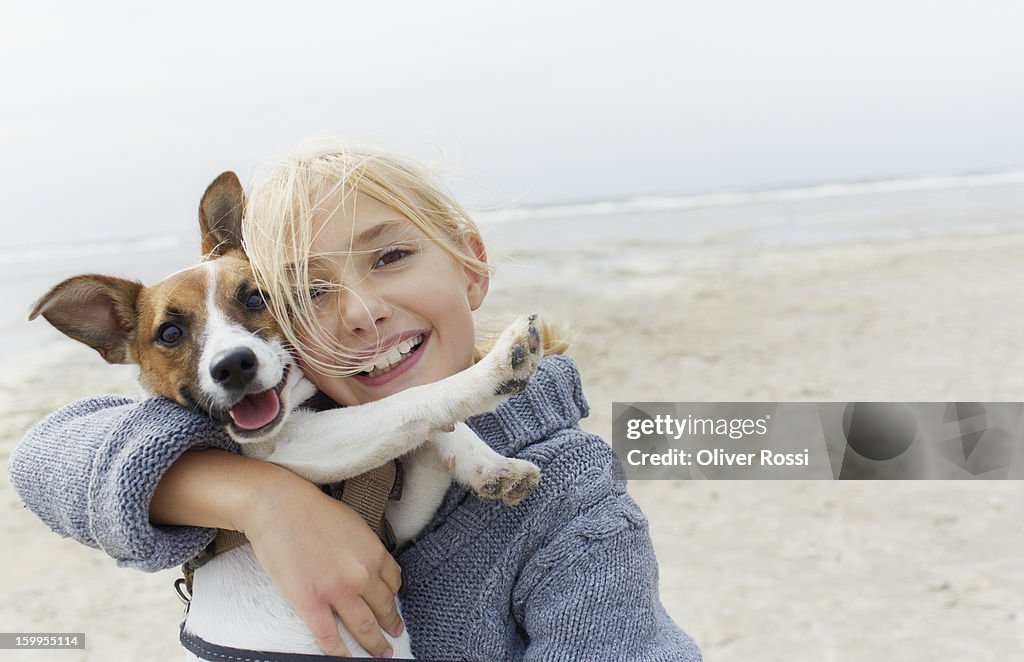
{"x": 174, "y": 315}
{"x": 241, "y": 301}
{"x": 174, "y": 309}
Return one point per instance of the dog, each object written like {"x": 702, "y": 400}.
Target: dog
{"x": 204, "y": 338}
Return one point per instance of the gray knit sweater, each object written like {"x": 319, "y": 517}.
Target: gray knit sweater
{"x": 569, "y": 574}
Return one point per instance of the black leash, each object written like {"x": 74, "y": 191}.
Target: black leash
{"x": 204, "y": 650}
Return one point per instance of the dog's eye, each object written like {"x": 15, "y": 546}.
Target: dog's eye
{"x": 255, "y": 301}
{"x": 169, "y": 335}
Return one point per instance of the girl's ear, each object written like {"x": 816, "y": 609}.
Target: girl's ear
{"x": 477, "y": 282}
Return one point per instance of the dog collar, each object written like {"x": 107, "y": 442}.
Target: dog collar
{"x": 368, "y": 494}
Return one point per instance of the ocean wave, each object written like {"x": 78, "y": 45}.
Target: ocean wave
{"x": 55, "y": 251}
{"x": 636, "y": 205}
{"x": 656, "y": 203}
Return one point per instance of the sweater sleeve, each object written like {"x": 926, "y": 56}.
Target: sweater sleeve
{"x": 603, "y": 605}
{"x": 590, "y": 590}
{"x": 90, "y": 469}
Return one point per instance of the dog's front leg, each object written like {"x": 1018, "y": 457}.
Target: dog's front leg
{"x": 334, "y": 445}
{"x": 503, "y": 372}
{"x": 473, "y": 463}
{"x": 324, "y": 447}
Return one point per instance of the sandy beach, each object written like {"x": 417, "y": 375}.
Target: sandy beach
{"x": 752, "y": 570}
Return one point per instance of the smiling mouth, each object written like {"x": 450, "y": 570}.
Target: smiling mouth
{"x": 256, "y": 411}
{"x": 394, "y": 357}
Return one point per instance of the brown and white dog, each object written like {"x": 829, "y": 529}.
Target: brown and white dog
{"x": 203, "y": 337}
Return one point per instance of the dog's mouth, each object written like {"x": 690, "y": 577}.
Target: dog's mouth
{"x": 256, "y": 411}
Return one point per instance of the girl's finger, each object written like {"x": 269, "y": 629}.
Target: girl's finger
{"x": 362, "y": 625}
{"x": 391, "y": 573}
{"x": 382, "y": 603}
{"x": 324, "y": 627}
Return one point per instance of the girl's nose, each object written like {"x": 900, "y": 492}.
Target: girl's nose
{"x": 362, "y": 311}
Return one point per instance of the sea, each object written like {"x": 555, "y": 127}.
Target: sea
{"x": 571, "y": 242}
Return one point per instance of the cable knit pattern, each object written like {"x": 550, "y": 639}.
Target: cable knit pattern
{"x": 569, "y": 574}
{"x": 89, "y": 471}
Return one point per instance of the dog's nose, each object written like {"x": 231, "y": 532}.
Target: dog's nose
{"x": 235, "y": 368}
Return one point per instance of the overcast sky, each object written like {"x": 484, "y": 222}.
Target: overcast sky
{"x": 114, "y": 116}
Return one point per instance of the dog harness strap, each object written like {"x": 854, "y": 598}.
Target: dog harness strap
{"x": 226, "y": 540}
{"x": 204, "y": 650}
{"x": 368, "y": 494}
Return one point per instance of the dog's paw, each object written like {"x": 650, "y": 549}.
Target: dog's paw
{"x": 509, "y": 481}
{"x": 516, "y": 354}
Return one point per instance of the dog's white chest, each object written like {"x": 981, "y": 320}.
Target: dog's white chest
{"x": 235, "y": 604}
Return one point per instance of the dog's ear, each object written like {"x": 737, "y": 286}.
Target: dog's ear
{"x": 220, "y": 215}
{"x": 99, "y": 311}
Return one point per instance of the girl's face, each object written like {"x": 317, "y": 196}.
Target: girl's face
{"x": 393, "y": 297}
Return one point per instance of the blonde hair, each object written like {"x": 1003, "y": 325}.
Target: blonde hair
{"x": 278, "y": 232}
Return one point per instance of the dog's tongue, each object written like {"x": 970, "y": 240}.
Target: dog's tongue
{"x": 256, "y": 410}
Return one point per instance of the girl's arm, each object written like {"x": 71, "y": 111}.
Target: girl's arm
{"x": 590, "y": 590}
{"x": 99, "y": 469}
{"x": 319, "y": 552}
{"x": 602, "y": 604}
{"x": 90, "y": 469}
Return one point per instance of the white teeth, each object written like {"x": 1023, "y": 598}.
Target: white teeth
{"x": 393, "y": 356}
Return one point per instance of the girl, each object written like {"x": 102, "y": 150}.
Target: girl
{"x": 359, "y": 252}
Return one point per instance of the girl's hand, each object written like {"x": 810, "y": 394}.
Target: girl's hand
{"x": 324, "y": 559}
{"x": 318, "y": 552}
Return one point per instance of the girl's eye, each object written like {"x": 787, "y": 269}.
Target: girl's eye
{"x": 391, "y": 256}
{"x": 169, "y": 335}
{"x": 255, "y": 301}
